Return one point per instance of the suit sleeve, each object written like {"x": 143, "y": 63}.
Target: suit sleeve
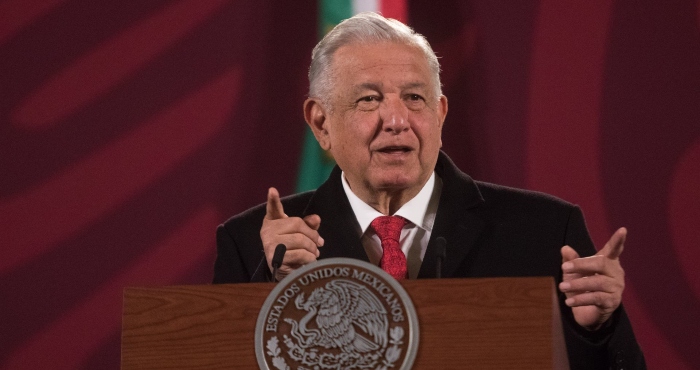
{"x": 612, "y": 347}
{"x": 228, "y": 267}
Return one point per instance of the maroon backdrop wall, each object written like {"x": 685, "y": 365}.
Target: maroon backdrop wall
{"x": 128, "y": 132}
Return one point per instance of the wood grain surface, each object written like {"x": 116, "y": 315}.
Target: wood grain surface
{"x": 495, "y": 323}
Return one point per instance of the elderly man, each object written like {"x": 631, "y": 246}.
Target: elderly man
{"x": 375, "y": 103}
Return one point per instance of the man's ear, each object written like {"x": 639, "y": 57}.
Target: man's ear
{"x": 442, "y": 113}
{"x": 442, "y": 109}
{"x": 316, "y": 117}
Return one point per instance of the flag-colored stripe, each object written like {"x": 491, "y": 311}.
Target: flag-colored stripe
{"x": 332, "y": 12}
{"x": 396, "y": 9}
{"x": 359, "y": 6}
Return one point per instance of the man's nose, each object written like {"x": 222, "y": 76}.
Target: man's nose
{"x": 394, "y": 115}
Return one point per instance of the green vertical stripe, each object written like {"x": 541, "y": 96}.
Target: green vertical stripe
{"x": 315, "y": 164}
{"x": 332, "y": 12}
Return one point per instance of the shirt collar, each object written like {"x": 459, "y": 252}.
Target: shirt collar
{"x": 415, "y": 210}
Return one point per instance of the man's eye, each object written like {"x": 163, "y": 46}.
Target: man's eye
{"x": 368, "y": 99}
{"x": 368, "y": 103}
{"x": 414, "y": 102}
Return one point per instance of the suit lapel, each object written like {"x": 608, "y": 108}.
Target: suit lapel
{"x": 339, "y": 227}
{"x": 458, "y": 220}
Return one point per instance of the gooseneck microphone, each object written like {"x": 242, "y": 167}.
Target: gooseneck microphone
{"x": 277, "y": 259}
{"x": 441, "y": 250}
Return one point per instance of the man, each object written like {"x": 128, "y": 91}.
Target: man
{"x": 375, "y": 103}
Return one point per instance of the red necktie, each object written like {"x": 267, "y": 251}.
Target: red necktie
{"x": 393, "y": 261}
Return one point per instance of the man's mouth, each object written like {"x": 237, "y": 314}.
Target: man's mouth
{"x": 395, "y": 150}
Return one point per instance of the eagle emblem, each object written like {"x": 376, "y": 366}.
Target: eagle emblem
{"x": 337, "y": 314}
{"x": 346, "y": 315}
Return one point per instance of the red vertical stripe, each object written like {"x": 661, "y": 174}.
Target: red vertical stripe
{"x": 396, "y": 9}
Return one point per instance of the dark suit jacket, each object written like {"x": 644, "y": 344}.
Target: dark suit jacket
{"x": 491, "y": 231}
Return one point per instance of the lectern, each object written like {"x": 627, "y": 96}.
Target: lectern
{"x": 489, "y": 323}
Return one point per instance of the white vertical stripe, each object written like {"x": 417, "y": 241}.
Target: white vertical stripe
{"x": 359, "y": 6}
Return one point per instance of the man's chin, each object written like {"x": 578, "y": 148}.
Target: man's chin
{"x": 396, "y": 183}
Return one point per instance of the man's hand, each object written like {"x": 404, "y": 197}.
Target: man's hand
{"x": 299, "y": 235}
{"x": 594, "y": 285}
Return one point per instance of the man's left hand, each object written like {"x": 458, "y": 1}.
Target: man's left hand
{"x": 593, "y": 285}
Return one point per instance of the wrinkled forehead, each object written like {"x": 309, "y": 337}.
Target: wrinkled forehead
{"x": 356, "y": 61}
{"x": 367, "y": 53}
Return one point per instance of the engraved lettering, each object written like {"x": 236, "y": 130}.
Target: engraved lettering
{"x": 340, "y": 298}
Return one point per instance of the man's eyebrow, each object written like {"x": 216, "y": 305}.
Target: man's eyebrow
{"x": 377, "y": 87}
{"x": 366, "y": 86}
{"x": 412, "y": 85}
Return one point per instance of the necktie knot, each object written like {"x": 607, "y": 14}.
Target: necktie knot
{"x": 388, "y": 229}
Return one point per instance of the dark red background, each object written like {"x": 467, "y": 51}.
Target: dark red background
{"x": 128, "y": 131}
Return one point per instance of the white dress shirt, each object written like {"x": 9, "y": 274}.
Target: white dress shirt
{"x": 420, "y": 214}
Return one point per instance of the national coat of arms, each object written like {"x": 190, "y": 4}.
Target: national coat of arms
{"x": 337, "y": 314}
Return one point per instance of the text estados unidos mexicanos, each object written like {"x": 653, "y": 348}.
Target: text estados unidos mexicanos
{"x": 391, "y": 299}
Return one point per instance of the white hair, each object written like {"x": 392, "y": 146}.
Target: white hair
{"x": 364, "y": 28}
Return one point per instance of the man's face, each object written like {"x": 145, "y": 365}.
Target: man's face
{"x": 385, "y": 122}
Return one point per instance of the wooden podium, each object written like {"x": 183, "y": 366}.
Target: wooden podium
{"x": 493, "y": 323}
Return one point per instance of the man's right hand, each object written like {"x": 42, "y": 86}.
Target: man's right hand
{"x": 300, "y": 235}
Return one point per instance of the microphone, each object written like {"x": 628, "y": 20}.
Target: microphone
{"x": 277, "y": 258}
{"x": 440, "y": 248}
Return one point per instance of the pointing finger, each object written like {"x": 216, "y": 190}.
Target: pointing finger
{"x": 613, "y": 248}
{"x": 274, "y": 205}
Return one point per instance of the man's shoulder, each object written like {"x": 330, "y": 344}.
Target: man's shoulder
{"x": 494, "y": 194}
{"x": 294, "y": 206}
